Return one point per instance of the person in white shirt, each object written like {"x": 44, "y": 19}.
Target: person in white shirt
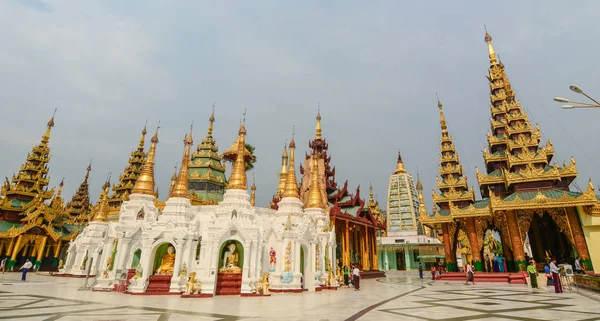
{"x": 3, "y": 265}
{"x": 578, "y": 267}
{"x": 555, "y": 276}
{"x": 356, "y": 277}
{"x": 25, "y": 269}
{"x": 470, "y": 274}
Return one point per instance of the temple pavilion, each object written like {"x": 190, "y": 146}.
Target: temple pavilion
{"x": 525, "y": 196}
{"x": 35, "y": 223}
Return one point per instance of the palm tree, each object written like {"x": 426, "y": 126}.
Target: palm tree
{"x": 250, "y": 163}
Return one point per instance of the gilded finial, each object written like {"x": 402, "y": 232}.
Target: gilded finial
{"x": 237, "y": 179}
{"x": 419, "y": 184}
{"x": 590, "y": 186}
{"x": 371, "y": 197}
{"x": 442, "y": 117}
{"x": 143, "y": 138}
{"x": 181, "y": 188}
{"x": 50, "y": 124}
{"x": 87, "y": 171}
{"x": 145, "y": 182}
{"x": 211, "y": 121}
{"x": 318, "y": 129}
{"x": 253, "y": 188}
{"x": 291, "y": 183}
{"x": 315, "y": 200}
{"x": 488, "y": 40}
{"x": 400, "y": 165}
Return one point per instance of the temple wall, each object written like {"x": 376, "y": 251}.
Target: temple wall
{"x": 591, "y": 231}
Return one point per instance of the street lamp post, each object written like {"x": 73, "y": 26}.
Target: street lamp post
{"x": 577, "y": 104}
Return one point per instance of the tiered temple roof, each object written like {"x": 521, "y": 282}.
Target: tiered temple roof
{"x": 451, "y": 182}
{"x": 122, "y": 190}
{"x": 206, "y": 173}
{"x": 78, "y": 209}
{"x": 29, "y": 187}
{"x": 514, "y": 159}
{"x": 340, "y": 203}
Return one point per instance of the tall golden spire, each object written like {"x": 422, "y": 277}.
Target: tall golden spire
{"x": 173, "y": 180}
{"x": 103, "y": 209}
{"x": 253, "y": 196}
{"x": 419, "y": 184}
{"x": 400, "y": 165}
{"x": 145, "y": 182}
{"x": 46, "y": 136}
{"x": 371, "y": 195}
{"x": 284, "y": 171}
{"x": 488, "y": 39}
{"x": 318, "y": 128}
{"x": 291, "y": 183}
{"x": 314, "y": 192}
{"x": 237, "y": 179}
{"x": 181, "y": 188}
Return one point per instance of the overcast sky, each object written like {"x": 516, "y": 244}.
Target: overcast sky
{"x": 374, "y": 67}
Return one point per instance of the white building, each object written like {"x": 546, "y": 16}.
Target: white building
{"x": 159, "y": 249}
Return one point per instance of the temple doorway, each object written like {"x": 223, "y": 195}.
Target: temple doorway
{"x": 231, "y": 258}
{"x": 303, "y": 264}
{"x": 400, "y": 260}
{"x": 547, "y": 241}
{"x": 136, "y": 258}
{"x": 492, "y": 252}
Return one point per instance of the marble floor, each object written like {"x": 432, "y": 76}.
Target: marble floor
{"x": 400, "y": 296}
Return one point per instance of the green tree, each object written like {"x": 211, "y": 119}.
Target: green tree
{"x": 250, "y": 163}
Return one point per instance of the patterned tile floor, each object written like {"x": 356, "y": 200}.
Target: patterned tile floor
{"x": 400, "y": 296}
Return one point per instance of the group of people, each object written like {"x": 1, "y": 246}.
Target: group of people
{"x": 24, "y": 268}
{"x": 495, "y": 263}
{"x": 435, "y": 269}
{"x": 352, "y": 276}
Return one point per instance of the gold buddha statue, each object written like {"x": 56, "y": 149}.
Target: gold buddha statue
{"x": 231, "y": 260}
{"x": 167, "y": 263}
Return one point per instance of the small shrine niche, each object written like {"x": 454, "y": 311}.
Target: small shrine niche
{"x": 140, "y": 214}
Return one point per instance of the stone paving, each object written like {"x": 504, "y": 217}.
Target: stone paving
{"x": 400, "y": 296}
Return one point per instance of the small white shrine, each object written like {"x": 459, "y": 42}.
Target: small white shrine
{"x": 216, "y": 249}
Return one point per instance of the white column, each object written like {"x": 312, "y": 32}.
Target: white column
{"x": 296, "y": 263}
{"x": 407, "y": 258}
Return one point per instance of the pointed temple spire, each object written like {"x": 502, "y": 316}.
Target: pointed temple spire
{"x": 145, "y": 182}
{"x": 181, "y": 186}
{"x": 206, "y": 172}
{"x": 101, "y": 214}
{"x": 318, "y": 130}
{"x": 291, "y": 183}
{"x": 87, "y": 173}
{"x": 78, "y": 209}
{"x": 30, "y": 182}
{"x": 514, "y": 144}
{"x": 46, "y": 137}
{"x": 127, "y": 180}
{"x": 173, "y": 181}
{"x": 237, "y": 179}
{"x": 451, "y": 181}
{"x": 419, "y": 184}
{"x": 315, "y": 200}
{"x": 283, "y": 172}
{"x": 253, "y": 188}
{"x": 400, "y": 165}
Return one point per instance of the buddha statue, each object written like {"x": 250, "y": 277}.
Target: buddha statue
{"x": 167, "y": 263}
{"x": 192, "y": 286}
{"x": 231, "y": 260}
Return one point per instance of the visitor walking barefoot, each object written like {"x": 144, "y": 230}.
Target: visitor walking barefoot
{"x": 25, "y": 269}
{"x": 470, "y": 274}
{"x": 356, "y": 278}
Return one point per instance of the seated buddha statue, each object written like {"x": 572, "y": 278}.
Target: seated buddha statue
{"x": 231, "y": 260}
{"x": 167, "y": 263}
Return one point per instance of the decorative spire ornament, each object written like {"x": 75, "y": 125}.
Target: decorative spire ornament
{"x": 315, "y": 200}
{"x": 237, "y": 179}
{"x": 291, "y": 183}
{"x": 181, "y": 188}
{"x": 145, "y": 182}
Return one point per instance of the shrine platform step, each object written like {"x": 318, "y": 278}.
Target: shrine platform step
{"x": 254, "y": 294}
{"x": 159, "y": 284}
{"x": 500, "y": 277}
{"x": 65, "y": 275}
{"x": 229, "y": 284}
{"x": 372, "y": 274}
{"x": 287, "y": 290}
{"x": 197, "y": 296}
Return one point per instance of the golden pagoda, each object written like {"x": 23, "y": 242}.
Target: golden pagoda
{"x": 237, "y": 179}
{"x": 524, "y": 195}
{"x": 78, "y": 209}
{"x": 282, "y": 178}
{"x": 127, "y": 180}
{"x": 30, "y": 227}
{"x": 145, "y": 182}
{"x": 206, "y": 172}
